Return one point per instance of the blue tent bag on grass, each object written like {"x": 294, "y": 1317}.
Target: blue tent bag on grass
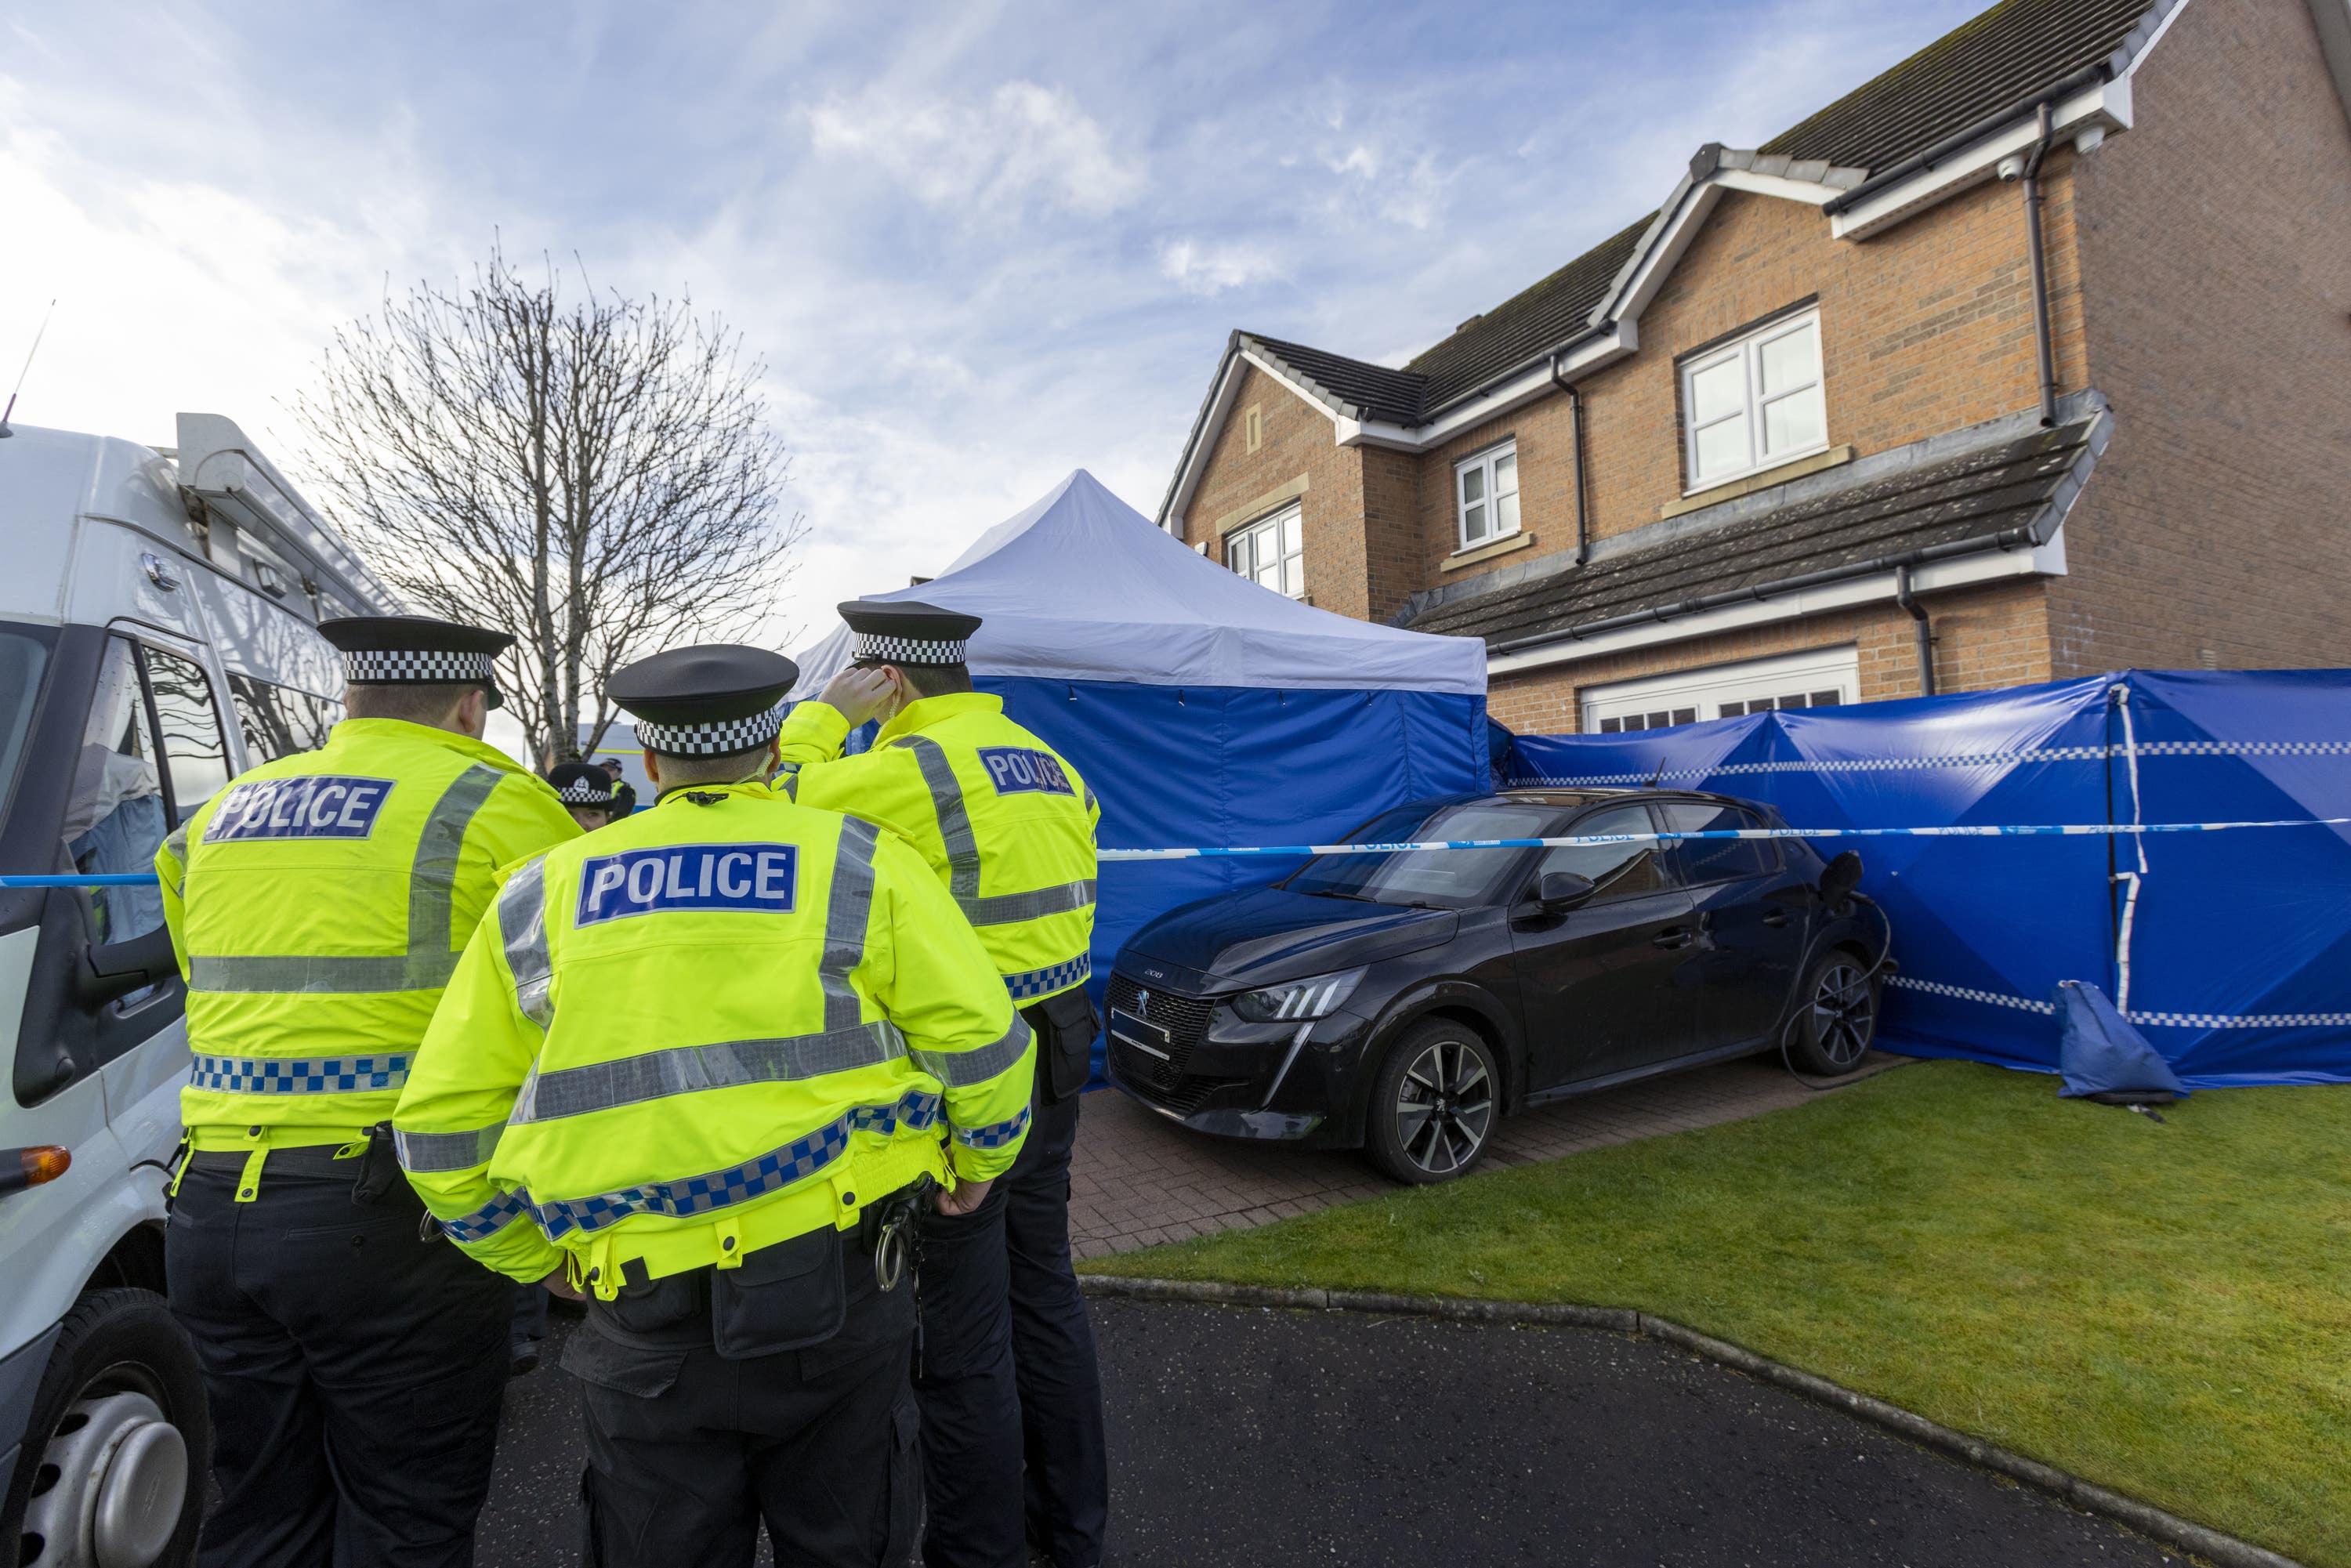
{"x": 2103, "y": 1058}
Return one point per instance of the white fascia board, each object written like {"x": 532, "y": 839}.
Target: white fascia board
{"x": 1657, "y": 263}
{"x": 1811, "y": 193}
{"x": 1963, "y": 572}
{"x": 1195, "y": 457}
{"x": 2107, "y": 104}
{"x": 1593, "y": 353}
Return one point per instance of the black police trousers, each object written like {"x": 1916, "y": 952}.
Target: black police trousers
{"x": 691, "y": 1449}
{"x": 355, "y": 1370}
{"x": 1011, "y": 1396}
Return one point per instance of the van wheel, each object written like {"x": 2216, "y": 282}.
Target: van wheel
{"x": 1433, "y": 1104}
{"x": 1836, "y": 1016}
{"x": 113, "y": 1464}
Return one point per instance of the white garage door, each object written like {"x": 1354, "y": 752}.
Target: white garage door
{"x": 1822, "y": 678}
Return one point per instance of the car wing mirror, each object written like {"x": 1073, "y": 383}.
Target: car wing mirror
{"x": 1843, "y": 874}
{"x": 112, "y": 970}
{"x": 1561, "y": 890}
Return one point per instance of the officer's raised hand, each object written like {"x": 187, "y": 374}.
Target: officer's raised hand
{"x": 857, "y": 692}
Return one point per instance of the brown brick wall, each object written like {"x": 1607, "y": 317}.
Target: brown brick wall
{"x": 1994, "y": 635}
{"x": 1296, "y": 441}
{"x": 1924, "y": 329}
{"x": 2216, "y": 242}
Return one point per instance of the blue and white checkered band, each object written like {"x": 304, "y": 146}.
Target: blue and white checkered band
{"x": 886, "y": 650}
{"x": 713, "y": 739}
{"x": 402, "y": 666}
{"x": 580, "y": 792}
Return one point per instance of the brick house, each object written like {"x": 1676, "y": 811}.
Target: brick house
{"x": 1835, "y": 424}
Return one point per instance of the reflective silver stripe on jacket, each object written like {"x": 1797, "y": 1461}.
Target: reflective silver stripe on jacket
{"x": 178, "y": 844}
{"x": 847, "y": 913}
{"x": 1006, "y": 908}
{"x": 431, "y": 1152}
{"x": 688, "y": 1069}
{"x": 955, "y": 822}
{"x": 432, "y": 886}
{"x": 961, "y": 1068}
{"x": 522, "y": 930}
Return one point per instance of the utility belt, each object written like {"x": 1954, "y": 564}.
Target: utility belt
{"x": 727, "y": 1238}
{"x": 365, "y": 1155}
{"x": 1066, "y": 1026}
{"x": 787, "y": 1296}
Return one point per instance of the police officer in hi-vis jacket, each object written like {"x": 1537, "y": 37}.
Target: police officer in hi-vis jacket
{"x": 354, "y": 1362}
{"x": 709, "y": 1059}
{"x": 1011, "y": 1396}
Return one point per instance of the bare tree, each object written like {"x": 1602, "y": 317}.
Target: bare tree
{"x": 596, "y": 476}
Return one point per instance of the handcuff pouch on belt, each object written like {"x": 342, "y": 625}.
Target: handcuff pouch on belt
{"x": 1066, "y": 1026}
{"x": 379, "y": 1167}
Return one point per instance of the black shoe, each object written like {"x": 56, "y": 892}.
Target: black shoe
{"x": 524, "y": 1360}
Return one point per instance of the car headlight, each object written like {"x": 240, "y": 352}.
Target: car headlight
{"x": 1295, "y": 1000}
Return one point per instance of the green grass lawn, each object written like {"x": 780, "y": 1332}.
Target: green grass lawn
{"x": 2164, "y": 1309}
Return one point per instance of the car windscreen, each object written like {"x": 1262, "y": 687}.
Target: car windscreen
{"x": 24, "y": 658}
{"x": 1443, "y": 879}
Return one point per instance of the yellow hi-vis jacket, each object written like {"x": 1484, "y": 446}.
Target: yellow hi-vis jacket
{"x": 703, "y": 1029}
{"x": 317, "y": 906}
{"x": 1005, "y": 823}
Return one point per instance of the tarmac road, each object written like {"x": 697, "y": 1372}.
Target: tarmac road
{"x": 1245, "y": 1436}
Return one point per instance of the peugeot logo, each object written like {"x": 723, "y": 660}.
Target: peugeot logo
{"x": 1143, "y": 1004}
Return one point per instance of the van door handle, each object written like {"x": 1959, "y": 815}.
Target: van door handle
{"x": 1673, "y": 936}
{"x": 1776, "y": 919}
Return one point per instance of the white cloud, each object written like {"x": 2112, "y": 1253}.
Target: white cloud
{"x": 1023, "y": 142}
{"x": 1207, "y": 269}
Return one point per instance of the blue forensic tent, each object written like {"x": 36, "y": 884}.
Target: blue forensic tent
{"x": 2231, "y": 951}
{"x": 1202, "y": 708}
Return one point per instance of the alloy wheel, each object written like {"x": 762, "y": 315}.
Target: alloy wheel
{"x": 1844, "y": 1015}
{"x": 1444, "y": 1106}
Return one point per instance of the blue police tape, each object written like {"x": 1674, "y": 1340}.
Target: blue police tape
{"x": 2068, "y": 830}
{"x": 2098, "y": 830}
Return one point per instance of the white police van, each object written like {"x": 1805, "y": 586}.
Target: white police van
{"x": 157, "y": 637}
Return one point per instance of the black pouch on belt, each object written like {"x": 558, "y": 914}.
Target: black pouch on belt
{"x": 379, "y": 1167}
{"x": 1066, "y": 1026}
{"x": 785, "y": 1296}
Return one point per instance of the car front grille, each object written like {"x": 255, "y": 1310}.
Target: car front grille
{"x": 1185, "y": 1019}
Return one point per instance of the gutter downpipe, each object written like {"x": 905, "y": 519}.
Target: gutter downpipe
{"x": 1575, "y": 429}
{"x": 1908, "y": 601}
{"x": 2033, "y": 202}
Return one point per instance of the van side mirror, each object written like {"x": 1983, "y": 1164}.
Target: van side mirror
{"x": 1843, "y": 876}
{"x": 112, "y": 970}
{"x": 1561, "y": 890}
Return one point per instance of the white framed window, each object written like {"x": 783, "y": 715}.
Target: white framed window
{"x": 1825, "y": 678}
{"x": 1755, "y": 403}
{"x": 1486, "y": 494}
{"x": 1270, "y": 552}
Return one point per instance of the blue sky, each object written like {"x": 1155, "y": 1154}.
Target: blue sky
{"x": 978, "y": 245}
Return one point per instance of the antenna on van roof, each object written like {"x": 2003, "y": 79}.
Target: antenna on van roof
{"x": 4, "y": 412}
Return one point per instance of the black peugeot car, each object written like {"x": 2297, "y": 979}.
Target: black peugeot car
{"x": 1399, "y": 1002}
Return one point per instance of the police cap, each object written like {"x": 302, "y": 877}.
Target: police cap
{"x": 416, "y": 650}
{"x": 580, "y": 784}
{"x": 906, "y": 632}
{"x": 711, "y": 701}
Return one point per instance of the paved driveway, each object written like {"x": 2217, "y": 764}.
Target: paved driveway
{"x": 1139, "y": 1179}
